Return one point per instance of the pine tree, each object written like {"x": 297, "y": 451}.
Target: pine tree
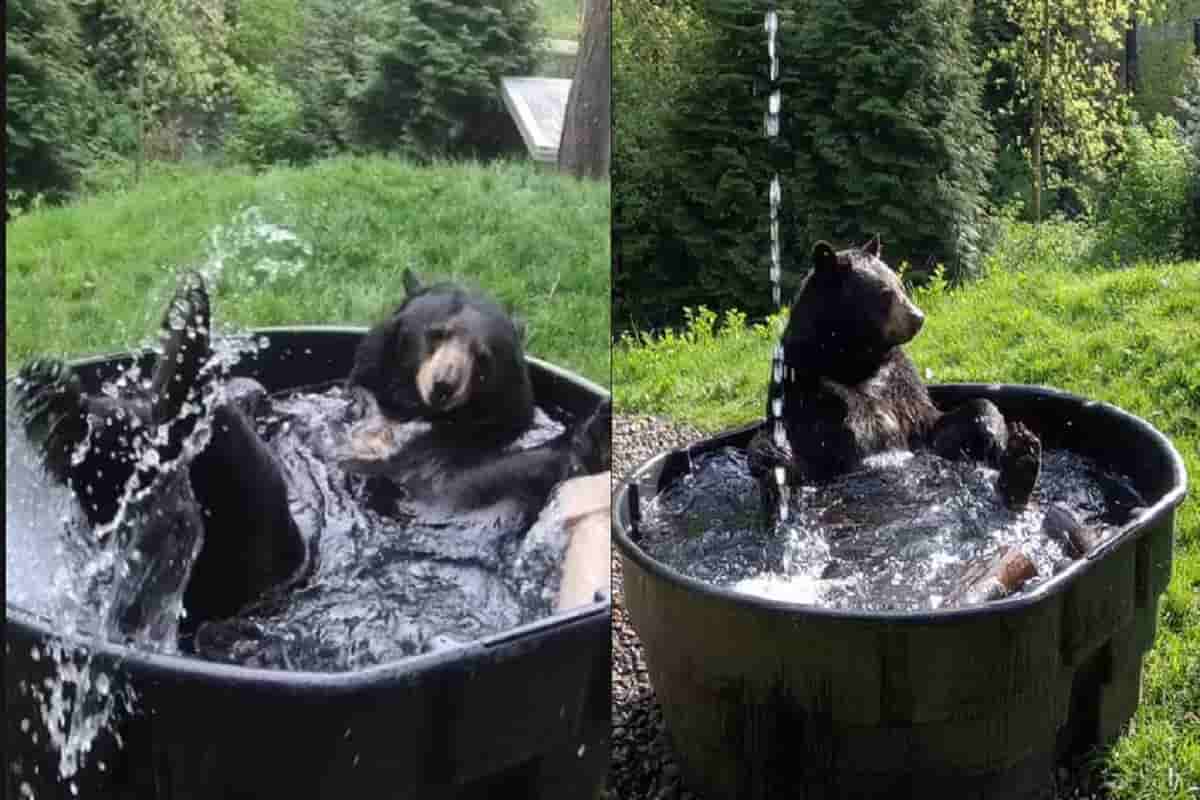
{"x": 888, "y": 136}
{"x": 881, "y": 132}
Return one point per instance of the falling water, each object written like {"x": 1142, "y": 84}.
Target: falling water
{"x": 775, "y": 195}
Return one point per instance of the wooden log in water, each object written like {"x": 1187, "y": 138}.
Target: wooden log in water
{"x": 1063, "y": 526}
{"x": 993, "y": 578}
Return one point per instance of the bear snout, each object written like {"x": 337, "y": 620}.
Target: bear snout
{"x": 444, "y": 378}
{"x": 904, "y": 322}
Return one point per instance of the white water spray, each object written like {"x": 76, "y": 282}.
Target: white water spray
{"x": 775, "y": 196}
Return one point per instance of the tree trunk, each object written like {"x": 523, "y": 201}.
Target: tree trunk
{"x": 585, "y": 147}
{"x": 1038, "y": 113}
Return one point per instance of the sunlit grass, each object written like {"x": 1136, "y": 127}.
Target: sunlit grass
{"x": 1130, "y": 337}
{"x": 94, "y": 277}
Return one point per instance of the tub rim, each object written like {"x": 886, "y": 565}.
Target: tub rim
{"x": 1131, "y": 530}
{"x": 179, "y": 667}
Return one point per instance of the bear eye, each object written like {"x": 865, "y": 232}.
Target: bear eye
{"x": 437, "y": 335}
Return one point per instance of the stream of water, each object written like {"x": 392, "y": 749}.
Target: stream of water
{"x": 775, "y": 409}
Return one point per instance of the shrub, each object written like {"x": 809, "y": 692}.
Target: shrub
{"x": 330, "y": 68}
{"x": 268, "y": 128}
{"x": 46, "y": 84}
{"x": 1148, "y": 214}
{"x": 881, "y": 132}
{"x": 433, "y": 85}
{"x": 1188, "y": 105}
{"x": 660, "y": 51}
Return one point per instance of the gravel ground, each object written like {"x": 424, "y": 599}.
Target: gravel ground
{"x": 643, "y": 761}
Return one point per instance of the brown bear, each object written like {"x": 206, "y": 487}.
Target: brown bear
{"x": 846, "y": 389}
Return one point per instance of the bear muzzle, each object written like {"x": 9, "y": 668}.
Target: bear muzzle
{"x": 444, "y": 379}
{"x": 904, "y": 323}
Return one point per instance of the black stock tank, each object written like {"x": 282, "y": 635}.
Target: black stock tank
{"x": 524, "y": 713}
{"x": 767, "y": 699}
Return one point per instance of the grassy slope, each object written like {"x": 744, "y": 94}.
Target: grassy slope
{"x": 1130, "y": 337}
{"x": 94, "y": 277}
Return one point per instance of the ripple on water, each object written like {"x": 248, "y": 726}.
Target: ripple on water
{"x": 895, "y": 535}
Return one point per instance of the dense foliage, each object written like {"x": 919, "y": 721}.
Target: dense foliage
{"x": 93, "y": 83}
{"x": 433, "y": 85}
{"x": 902, "y": 71}
{"x": 46, "y": 87}
{"x": 1148, "y": 212}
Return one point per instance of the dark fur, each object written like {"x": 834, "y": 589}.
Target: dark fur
{"x": 233, "y": 487}
{"x": 463, "y": 460}
{"x": 236, "y": 490}
{"x": 850, "y": 390}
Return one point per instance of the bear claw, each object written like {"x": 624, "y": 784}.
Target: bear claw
{"x": 1019, "y": 466}
{"x": 592, "y": 440}
{"x": 49, "y": 399}
{"x": 185, "y": 348}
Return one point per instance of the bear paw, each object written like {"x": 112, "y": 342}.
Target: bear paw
{"x": 1019, "y": 466}
{"x": 50, "y": 402}
{"x": 185, "y": 349}
{"x": 591, "y": 442}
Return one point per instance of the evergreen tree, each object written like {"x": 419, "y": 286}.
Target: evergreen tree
{"x": 434, "y": 86}
{"x": 881, "y": 132}
{"x": 46, "y": 82}
{"x": 882, "y": 101}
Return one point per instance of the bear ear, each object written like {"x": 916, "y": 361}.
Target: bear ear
{"x": 412, "y": 284}
{"x": 874, "y": 247}
{"x": 824, "y": 256}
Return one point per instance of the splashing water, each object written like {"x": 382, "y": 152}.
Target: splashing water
{"x": 896, "y": 534}
{"x": 88, "y": 582}
{"x": 250, "y": 252}
{"x": 394, "y": 578}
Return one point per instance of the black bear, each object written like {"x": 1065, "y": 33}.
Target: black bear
{"x": 846, "y": 389}
{"x": 446, "y": 356}
{"x": 454, "y": 359}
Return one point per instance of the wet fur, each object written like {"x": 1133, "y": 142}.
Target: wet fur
{"x": 850, "y": 390}
{"x": 464, "y": 461}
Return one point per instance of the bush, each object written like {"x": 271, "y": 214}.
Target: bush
{"x": 268, "y": 128}
{"x": 330, "y": 68}
{"x": 881, "y": 132}
{"x": 46, "y": 84}
{"x": 1148, "y": 211}
{"x": 660, "y": 51}
{"x": 1188, "y": 105}
{"x": 433, "y": 85}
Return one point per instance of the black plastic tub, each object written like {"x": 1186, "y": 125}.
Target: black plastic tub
{"x": 521, "y": 714}
{"x": 767, "y": 699}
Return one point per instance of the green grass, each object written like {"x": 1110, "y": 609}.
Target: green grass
{"x": 1130, "y": 337}
{"x": 561, "y": 19}
{"x": 94, "y": 277}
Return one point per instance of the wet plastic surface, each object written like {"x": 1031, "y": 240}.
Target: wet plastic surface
{"x": 524, "y": 713}
{"x": 770, "y": 699}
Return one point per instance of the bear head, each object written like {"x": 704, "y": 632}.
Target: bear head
{"x": 849, "y": 314}
{"x": 447, "y": 355}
